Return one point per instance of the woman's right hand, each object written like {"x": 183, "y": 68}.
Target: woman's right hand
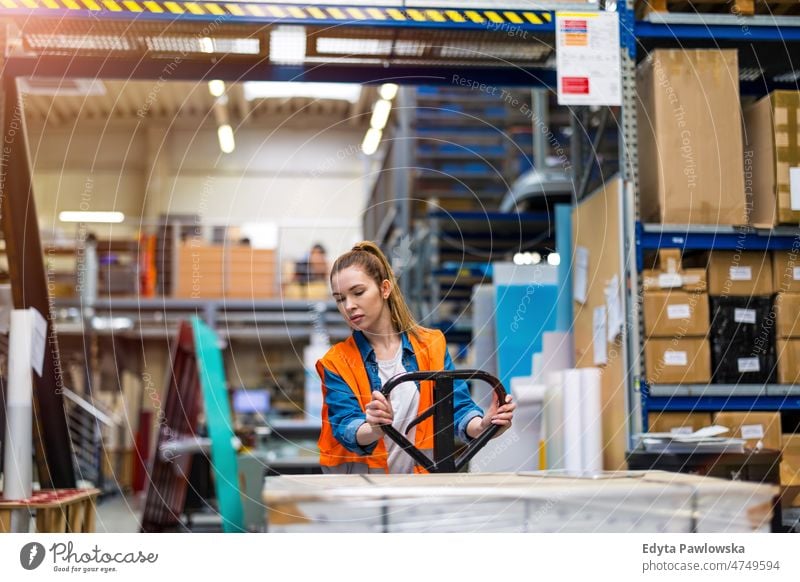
{"x": 379, "y": 410}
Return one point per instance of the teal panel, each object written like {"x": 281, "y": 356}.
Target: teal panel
{"x": 220, "y": 426}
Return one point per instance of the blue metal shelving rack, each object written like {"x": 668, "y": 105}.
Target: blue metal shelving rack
{"x": 768, "y": 48}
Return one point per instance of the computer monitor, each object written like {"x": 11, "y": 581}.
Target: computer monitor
{"x": 255, "y": 401}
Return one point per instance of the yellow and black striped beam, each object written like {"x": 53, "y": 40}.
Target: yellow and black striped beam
{"x": 311, "y": 14}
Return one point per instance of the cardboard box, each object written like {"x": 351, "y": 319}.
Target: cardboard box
{"x": 786, "y": 272}
{"x": 753, "y": 427}
{"x": 739, "y": 273}
{"x": 771, "y": 149}
{"x": 790, "y": 460}
{"x": 691, "y": 167}
{"x": 790, "y": 496}
{"x": 672, "y": 275}
{"x": 675, "y": 314}
{"x": 788, "y": 361}
{"x": 677, "y": 361}
{"x": 742, "y": 340}
{"x": 787, "y": 315}
{"x": 678, "y": 422}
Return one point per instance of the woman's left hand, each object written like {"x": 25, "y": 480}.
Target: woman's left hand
{"x": 499, "y": 415}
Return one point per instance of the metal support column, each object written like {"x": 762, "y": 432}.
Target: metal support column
{"x": 402, "y": 168}
{"x": 629, "y": 165}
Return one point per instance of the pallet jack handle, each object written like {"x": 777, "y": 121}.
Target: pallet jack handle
{"x": 444, "y": 459}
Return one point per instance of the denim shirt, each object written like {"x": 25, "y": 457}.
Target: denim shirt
{"x": 345, "y": 413}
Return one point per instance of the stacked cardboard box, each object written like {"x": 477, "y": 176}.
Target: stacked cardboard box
{"x": 676, "y": 322}
{"x": 786, "y": 274}
{"x": 215, "y": 271}
{"x": 742, "y": 328}
{"x": 754, "y": 427}
{"x": 772, "y": 149}
{"x": 678, "y": 422}
{"x": 200, "y": 271}
{"x": 691, "y": 167}
{"x": 790, "y": 460}
{"x": 250, "y": 273}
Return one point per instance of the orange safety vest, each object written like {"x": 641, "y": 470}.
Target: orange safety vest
{"x": 344, "y": 359}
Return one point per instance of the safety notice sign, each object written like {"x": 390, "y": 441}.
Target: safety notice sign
{"x": 588, "y": 58}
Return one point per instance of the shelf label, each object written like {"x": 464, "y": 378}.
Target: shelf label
{"x": 741, "y": 274}
{"x": 599, "y": 336}
{"x": 588, "y": 63}
{"x": 679, "y": 311}
{"x": 748, "y": 365}
{"x": 744, "y": 315}
{"x": 581, "y": 278}
{"x": 670, "y": 280}
{"x": 672, "y": 358}
{"x": 752, "y": 431}
{"x": 794, "y": 188}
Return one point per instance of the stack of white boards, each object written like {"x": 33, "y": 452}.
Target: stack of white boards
{"x": 634, "y": 501}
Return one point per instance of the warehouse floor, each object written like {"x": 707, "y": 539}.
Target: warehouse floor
{"x": 119, "y": 514}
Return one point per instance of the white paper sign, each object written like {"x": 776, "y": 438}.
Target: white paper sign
{"x": 614, "y": 306}
{"x": 39, "y": 340}
{"x": 796, "y": 273}
{"x": 744, "y": 315}
{"x": 588, "y": 60}
{"x": 741, "y": 274}
{"x": 673, "y": 358}
{"x": 794, "y": 188}
{"x": 580, "y": 282}
{"x": 670, "y": 280}
{"x": 752, "y": 431}
{"x": 748, "y": 365}
{"x": 599, "y": 336}
{"x": 679, "y": 311}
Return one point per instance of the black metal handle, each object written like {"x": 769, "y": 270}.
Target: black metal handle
{"x": 442, "y": 411}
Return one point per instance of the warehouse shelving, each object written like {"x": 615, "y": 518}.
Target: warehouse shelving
{"x": 268, "y": 321}
{"x": 768, "y": 47}
{"x": 465, "y": 148}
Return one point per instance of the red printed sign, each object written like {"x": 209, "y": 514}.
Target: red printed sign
{"x": 575, "y": 85}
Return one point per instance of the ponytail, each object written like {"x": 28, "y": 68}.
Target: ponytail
{"x": 369, "y": 257}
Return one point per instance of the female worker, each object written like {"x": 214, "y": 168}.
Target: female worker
{"x": 386, "y": 341}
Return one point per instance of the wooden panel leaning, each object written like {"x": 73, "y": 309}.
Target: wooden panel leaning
{"x": 57, "y": 510}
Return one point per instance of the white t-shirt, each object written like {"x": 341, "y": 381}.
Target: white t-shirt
{"x": 405, "y": 405}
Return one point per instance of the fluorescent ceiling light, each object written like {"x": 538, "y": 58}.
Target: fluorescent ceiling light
{"x": 287, "y": 90}
{"x": 216, "y": 88}
{"x": 79, "y": 216}
{"x": 62, "y": 87}
{"x": 380, "y": 114}
{"x": 225, "y": 135}
{"x": 388, "y": 91}
{"x": 287, "y": 45}
{"x": 371, "y": 141}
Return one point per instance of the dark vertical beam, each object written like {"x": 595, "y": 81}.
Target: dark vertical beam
{"x": 443, "y": 429}
{"x": 29, "y": 289}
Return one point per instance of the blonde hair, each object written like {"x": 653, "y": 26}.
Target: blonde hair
{"x": 369, "y": 257}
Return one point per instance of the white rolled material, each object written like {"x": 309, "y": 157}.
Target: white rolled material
{"x": 18, "y": 476}
{"x": 573, "y": 429}
{"x": 592, "y": 435}
{"x": 554, "y": 420}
